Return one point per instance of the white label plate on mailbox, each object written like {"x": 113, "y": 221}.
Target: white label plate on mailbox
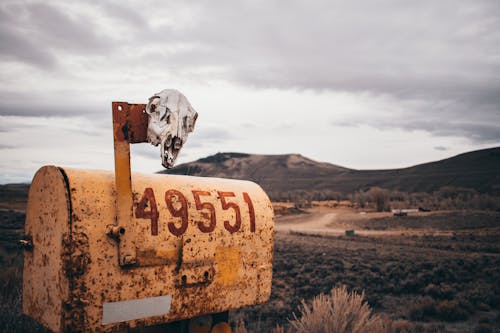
{"x": 117, "y": 312}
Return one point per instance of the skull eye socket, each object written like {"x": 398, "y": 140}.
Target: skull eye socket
{"x": 166, "y": 115}
{"x": 151, "y": 108}
{"x": 168, "y": 141}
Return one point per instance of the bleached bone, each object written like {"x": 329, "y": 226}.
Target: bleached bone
{"x": 171, "y": 119}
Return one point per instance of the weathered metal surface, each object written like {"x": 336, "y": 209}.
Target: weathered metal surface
{"x": 48, "y": 222}
{"x": 128, "y": 126}
{"x": 206, "y": 242}
{"x": 131, "y": 122}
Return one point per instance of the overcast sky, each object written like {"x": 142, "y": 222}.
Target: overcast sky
{"x": 362, "y": 84}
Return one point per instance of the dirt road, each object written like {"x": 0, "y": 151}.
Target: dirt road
{"x": 316, "y": 222}
{"x": 336, "y": 221}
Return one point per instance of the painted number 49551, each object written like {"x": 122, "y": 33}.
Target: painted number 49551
{"x": 177, "y": 205}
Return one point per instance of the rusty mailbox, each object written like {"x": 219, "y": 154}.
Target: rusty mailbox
{"x": 108, "y": 251}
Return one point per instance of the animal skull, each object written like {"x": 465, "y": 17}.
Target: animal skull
{"x": 171, "y": 119}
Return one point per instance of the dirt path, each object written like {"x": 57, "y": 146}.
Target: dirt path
{"x": 332, "y": 222}
{"x": 318, "y": 221}
{"x": 311, "y": 223}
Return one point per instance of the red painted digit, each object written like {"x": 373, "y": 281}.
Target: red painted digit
{"x": 251, "y": 211}
{"x": 152, "y": 214}
{"x": 172, "y": 197}
{"x": 204, "y": 205}
{"x": 226, "y": 205}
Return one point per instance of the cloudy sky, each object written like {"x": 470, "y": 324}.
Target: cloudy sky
{"x": 363, "y": 84}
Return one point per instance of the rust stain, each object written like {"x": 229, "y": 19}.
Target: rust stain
{"x": 157, "y": 256}
{"x": 167, "y": 254}
{"x": 228, "y": 261}
{"x": 138, "y": 123}
{"x": 76, "y": 261}
{"x": 205, "y": 270}
{"x": 123, "y": 181}
{"x": 130, "y": 122}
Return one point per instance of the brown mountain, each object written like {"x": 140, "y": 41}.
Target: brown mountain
{"x": 278, "y": 174}
{"x": 13, "y": 196}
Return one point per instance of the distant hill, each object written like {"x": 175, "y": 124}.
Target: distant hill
{"x": 14, "y": 196}
{"x": 278, "y": 174}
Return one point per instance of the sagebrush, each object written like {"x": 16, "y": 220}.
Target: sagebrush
{"x": 339, "y": 312}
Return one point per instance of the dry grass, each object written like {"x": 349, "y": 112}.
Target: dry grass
{"x": 339, "y": 312}
{"x": 408, "y": 277}
{"x": 11, "y": 319}
{"x": 240, "y": 327}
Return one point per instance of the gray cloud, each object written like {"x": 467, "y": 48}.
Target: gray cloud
{"x": 397, "y": 47}
{"x": 70, "y": 33}
{"x": 213, "y": 134}
{"x": 436, "y": 60}
{"x": 60, "y": 128}
{"x": 437, "y": 126}
{"x": 146, "y": 151}
{"x": 35, "y": 32}
{"x": 15, "y": 47}
{"x": 475, "y": 132}
{"x": 124, "y": 13}
{"x": 63, "y": 102}
{"x": 30, "y": 108}
{"x": 440, "y": 148}
{"x": 444, "y": 53}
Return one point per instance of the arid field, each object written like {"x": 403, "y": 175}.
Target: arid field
{"x": 425, "y": 272}
{"x": 428, "y": 272}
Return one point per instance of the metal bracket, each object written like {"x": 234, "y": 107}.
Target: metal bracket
{"x": 26, "y": 243}
{"x": 130, "y": 123}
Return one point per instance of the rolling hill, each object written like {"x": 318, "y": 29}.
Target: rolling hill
{"x": 277, "y": 174}
{"x": 280, "y": 174}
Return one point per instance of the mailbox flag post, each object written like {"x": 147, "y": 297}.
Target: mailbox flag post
{"x": 129, "y": 126}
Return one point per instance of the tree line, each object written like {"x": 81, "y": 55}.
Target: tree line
{"x": 380, "y": 199}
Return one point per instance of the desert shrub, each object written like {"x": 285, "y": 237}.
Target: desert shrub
{"x": 483, "y": 307}
{"x": 11, "y": 318}
{"x": 484, "y": 320}
{"x": 466, "y": 305}
{"x": 483, "y": 328}
{"x": 482, "y": 294}
{"x": 239, "y": 327}
{"x": 398, "y": 196}
{"x": 435, "y": 328}
{"x": 495, "y": 300}
{"x": 450, "y": 197}
{"x": 442, "y": 291}
{"x": 444, "y": 272}
{"x": 426, "y": 308}
{"x": 380, "y": 197}
{"x": 361, "y": 198}
{"x": 422, "y": 309}
{"x": 432, "y": 290}
{"x": 280, "y": 329}
{"x": 340, "y": 311}
{"x": 402, "y": 326}
{"x": 450, "y": 311}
